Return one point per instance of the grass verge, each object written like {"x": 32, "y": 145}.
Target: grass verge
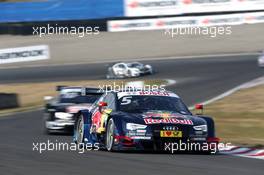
{"x": 239, "y": 117}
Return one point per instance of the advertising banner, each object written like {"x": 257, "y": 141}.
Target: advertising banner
{"x": 21, "y": 54}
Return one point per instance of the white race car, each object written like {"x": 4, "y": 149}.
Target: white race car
{"x": 128, "y": 70}
{"x": 261, "y": 60}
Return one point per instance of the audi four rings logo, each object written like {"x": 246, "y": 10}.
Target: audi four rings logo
{"x": 170, "y": 128}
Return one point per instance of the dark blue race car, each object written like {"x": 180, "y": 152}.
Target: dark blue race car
{"x": 142, "y": 120}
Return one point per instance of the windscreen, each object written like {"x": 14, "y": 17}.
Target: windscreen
{"x": 136, "y": 65}
{"x": 138, "y": 104}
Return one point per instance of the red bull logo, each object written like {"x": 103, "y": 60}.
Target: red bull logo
{"x": 168, "y": 120}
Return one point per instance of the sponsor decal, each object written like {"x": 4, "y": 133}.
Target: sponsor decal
{"x": 149, "y": 121}
{"x": 141, "y": 131}
{"x": 147, "y": 93}
{"x": 151, "y": 7}
{"x": 161, "y": 115}
{"x": 205, "y": 1}
{"x": 160, "y": 3}
{"x": 222, "y": 20}
{"x": 135, "y": 24}
{"x": 170, "y": 128}
{"x": 174, "y": 7}
{"x": 141, "y": 137}
{"x": 198, "y": 132}
{"x": 170, "y": 133}
{"x": 183, "y": 22}
{"x": 21, "y": 54}
{"x": 136, "y": 133}
{"x": 158, "y": 93}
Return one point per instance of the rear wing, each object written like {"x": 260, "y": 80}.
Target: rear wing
{"x": 95, "y": 91}
{"x": 84, "y": 90}
{"x": 59, "y": 88}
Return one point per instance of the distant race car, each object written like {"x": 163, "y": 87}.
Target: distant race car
{"x": 128, "y": 70}
{"x": 60, "y": 112}
{"x": 141, "y": 120}
{"x": 261, "y": 60}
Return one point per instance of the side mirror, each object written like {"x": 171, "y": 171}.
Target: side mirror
{"x": 101, "y": 105}
{"x": 199, "y": 107}
{"x": 47, "y": 98}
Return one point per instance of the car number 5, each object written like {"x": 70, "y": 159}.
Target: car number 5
{"x": 126, "y": 100}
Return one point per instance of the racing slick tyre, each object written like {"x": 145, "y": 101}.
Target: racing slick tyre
{"x": 79, "y": 130}
{"x": 110, "y": 135}
{"x": 111, "y": 74}
{"x": 46, "y": 131}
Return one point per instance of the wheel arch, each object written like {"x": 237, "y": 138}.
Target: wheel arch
{"x": 118, "y": 123}
{"x": 210, "y": 124}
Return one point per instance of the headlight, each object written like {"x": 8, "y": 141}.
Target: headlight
{"x": 134, "y": 126}
{"x": 200, "y": 128}
{"x": 63, "y": 115}
{"x": 148, "y": 66}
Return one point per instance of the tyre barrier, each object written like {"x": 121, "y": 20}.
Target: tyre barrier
{"x": 8, "y": 100}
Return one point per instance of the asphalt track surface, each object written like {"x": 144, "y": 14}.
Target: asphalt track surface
{"x": 197, "y": 80}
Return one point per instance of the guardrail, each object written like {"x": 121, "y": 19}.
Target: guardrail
{"x": 8, "y": 101}
{"x": 23, "y": 54}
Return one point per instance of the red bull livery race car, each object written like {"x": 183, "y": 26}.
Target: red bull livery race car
{"x": 142, "y": 120}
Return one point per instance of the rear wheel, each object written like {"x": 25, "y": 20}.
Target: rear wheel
{"x": 110, "y": 135}
{"x": 110, "y": 74}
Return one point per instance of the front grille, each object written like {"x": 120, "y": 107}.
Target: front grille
{"x": 186, "y": 129}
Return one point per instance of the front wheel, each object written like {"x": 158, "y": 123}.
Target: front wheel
{"x": 110, "y": 135}
{"x": 79, "y": 130}
{"x": 129, "y": 73}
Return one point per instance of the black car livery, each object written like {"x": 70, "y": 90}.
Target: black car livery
{"x": 60, "y": 112}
